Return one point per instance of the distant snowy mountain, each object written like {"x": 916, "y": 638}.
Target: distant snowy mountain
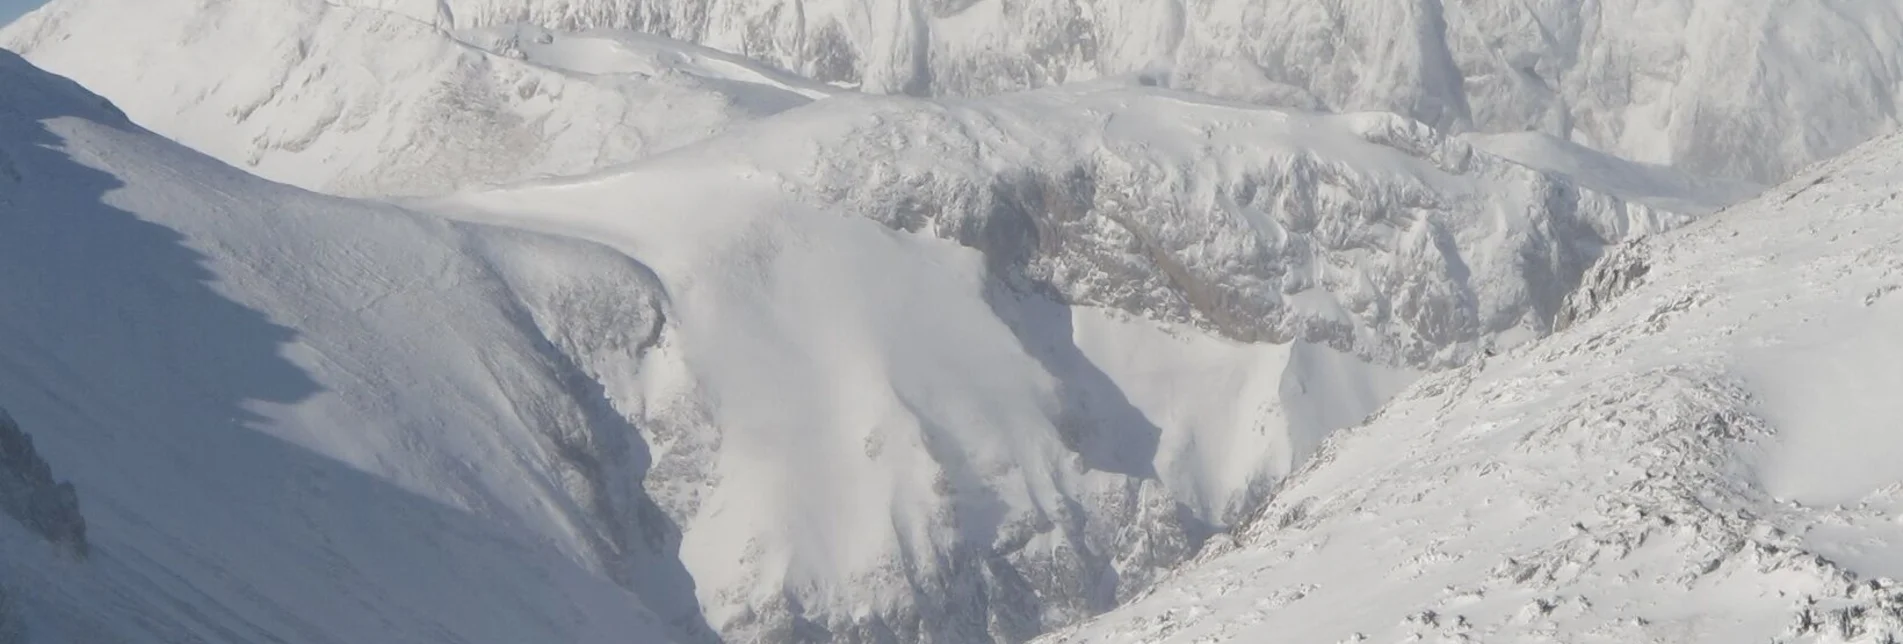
{"x": 364, "y": 102}
{"x": 1707, "y": 454}
{"x": 321, "y": 94}
{"x": 1744, "y": 90}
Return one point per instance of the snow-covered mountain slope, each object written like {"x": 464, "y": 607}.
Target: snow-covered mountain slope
{"x": 1707, "y": 454}
{"x": 966, "y": 371}
{"x": 302, "y": 418}
{"x": 359, "y": 101}
{"x": 295, "y": 418}
{"x": 1747, "y": 90}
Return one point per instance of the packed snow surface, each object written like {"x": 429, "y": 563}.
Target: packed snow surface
{"x": 1706, "y": 454}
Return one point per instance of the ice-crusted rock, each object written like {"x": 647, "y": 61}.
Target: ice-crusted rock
{"x": 30, "y": 495}
{"x": 1751, "y": 90}
{"x": 1707, "y": 457}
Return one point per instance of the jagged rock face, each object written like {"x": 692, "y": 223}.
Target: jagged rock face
{"x": 30, "y": 495}
{"x": 1749, "y": 90}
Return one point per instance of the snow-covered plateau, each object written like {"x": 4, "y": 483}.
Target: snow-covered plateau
{"x": 842, "y": 321}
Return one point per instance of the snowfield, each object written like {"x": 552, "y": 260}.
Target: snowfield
{"x": 1707, "y": 455}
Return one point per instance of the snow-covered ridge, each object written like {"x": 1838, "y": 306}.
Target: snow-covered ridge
{"x": 1703, "y": 456}
{"x": 365, "y": 102}
{"x": 273, "y": 407}
{"x": 1747, "y": 90}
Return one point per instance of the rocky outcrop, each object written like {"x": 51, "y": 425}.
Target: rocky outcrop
{"x": 30, "y": 495}
{"x": 1613, "y": 275}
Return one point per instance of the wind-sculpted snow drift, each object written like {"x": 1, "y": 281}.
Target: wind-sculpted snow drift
{"x": 1705, "y": 455}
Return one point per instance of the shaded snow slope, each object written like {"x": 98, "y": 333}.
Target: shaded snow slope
{"x": 301, "y": 419}
{"x": 359, "y": 101}
{"x": 1706, "y": 455}
{"x": 1747, "y": 90}
{"x": 968, "y": 371}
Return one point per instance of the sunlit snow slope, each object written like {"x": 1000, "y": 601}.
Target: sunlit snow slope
{"x": 294, "y": 418}
{"x": 1707, "y": 454}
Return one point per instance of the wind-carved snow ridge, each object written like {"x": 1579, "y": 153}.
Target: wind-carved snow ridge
{"x": 1752, "y": 90}
{"x": 1701, "y": 456}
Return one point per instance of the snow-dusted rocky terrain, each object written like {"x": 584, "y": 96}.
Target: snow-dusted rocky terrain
{"x": 688, "y": 348}
{"x": 1742, "y": 89}
{"x": 1706, "y": 455}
